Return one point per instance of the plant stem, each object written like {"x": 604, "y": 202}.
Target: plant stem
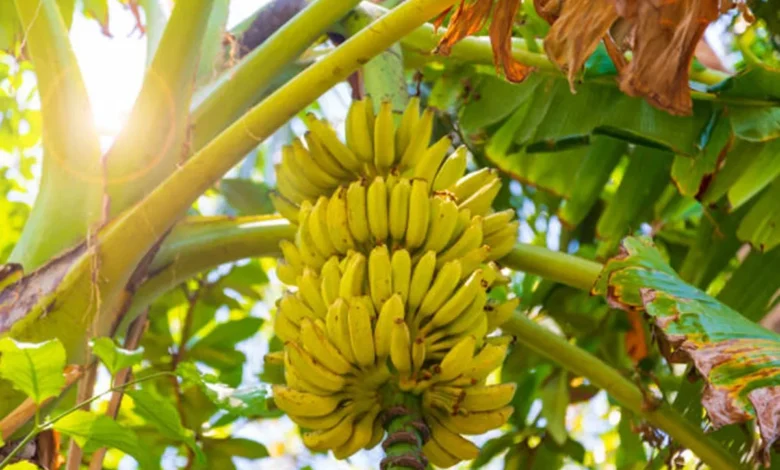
{"x": 406, "y": 434}
{"x": 582, "y": 363}
{"x": 553, "y": 265}
{"x": 29, "y": 437}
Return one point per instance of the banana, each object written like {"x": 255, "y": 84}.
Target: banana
{"x": 467, "y": 319}
{"x": 318, "y": 226}
{"x": 419, "y": 140}
{"x": 303, "y": 239}
{"x": 294, "y": 308}
{"x": 431, "y": 160}
{"x": 438, "y": 456}
{"x": 354, "y": 277}
{"x": 285, "y": 329}
{"x": 329, "y": 438}
{"x": 362, "y": 432}
{"x": 384, "y": 138}
{"x": 324, "y": 159}
{"x": 476, "y": 423}
{"x": 451, "y": 170}
{"x": 293, "y": 380}
{"x": 421, "y": 281}
{"x": 472, "y": 182}
{"x": 400, "y": 348}
{"x": 409, "y": 122}
{"x": 391, "y": 312}
{"x": 286, "y": 273}
{"x": 330, "y": 141}
{"x": 380, "y": 275}
{"x": 488, "y": 397}
{"x": 316, "y": 342}
{"x": 336, "y": 324}
{"x": 399, "y": 209}
{"x": 370, "y": 117}
{"x": 459, "y": 301}
{"x": 291, "y": 254}
{"x": 378, "y": 210}
{"x": 418, "y": 353}
{"x": 463, "y": 222}
{"x": 474, "y": 259}
{"x": 469, "y": 240}
{"x": 330, "y": 280}
{"x": 303, "y": 404}
{"x": 486, "y": 361}
{"x": 356, "y": 211}
{"x": 308, "y": 367}
{"x": 457, "y": 360}
{"x": 360, "y": 333}
{"x": 275, "y": 358}
{"x": 377, "y": 433}
{"x": 300, "y": 178}
{"x": 496, "y": 221}
{"x": 401, "y": 263}
{"x": 304, "y": 161}
{"x": 321, "y": 423}
{"x": 287, "y": 187}
{"x": 444, "y": 217}
{"x": 338, "y": 225}
{"x": 459, "y": 447}
{"x": 419, "y": 211}
{"x": 309, "y": 289}
{"x": 358, "y": 133}
{"x": 284, "y": 206}
{"x": 497, "y": 315}
{"x": 480, "y": 202}
{"x": 443, "y": 286}
{"x": 502, "y": 242}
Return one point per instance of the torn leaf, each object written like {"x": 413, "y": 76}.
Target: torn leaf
{"x": 739, "y": 360}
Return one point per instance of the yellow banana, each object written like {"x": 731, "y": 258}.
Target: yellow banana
{"x": 488, "y": 359}
{"x": 321, "y": 423}
{"x": 303, "y": 239}
{"x": 291, "y": 255}
{"x": 488, "y": 397}
{"x": 275, "y": 358}
{"x": 419, "y": 211}
{"x": 460, "y": 447}
{"x": 469, "y": 240}
{"x": 286, "y": 187}
{"x": 284, "y": 206}
{"x": 294, "y": 308}
{"x": 286, "y": 273}
{"x": 458, "y": 302}
{"x": 451, "y": 170}
{"x": 502, "y": 242}
{"x": 377, "y": 433}
{"x": 430, "y": 162}
{"x": 481, "y": 201}
{"x": 308, "y": 367}
{"x": 443, "y": 286}
{"x": 472, "y": 182}
{"x": 421, "y": 281}
{"x": 444, "y": 217}
{"x": 322, "y": 157}
{"x": 356, "y": 211}
{"x": 294, "y": 380}
{"x": 316, "y": 342}
{"x": 401, "y": 272}
{"x": 391, "y": 312}
{"x": 399, "y": 208}
{"x": 330, "y": 438}
{"x": 473, "y": 259}
{"x": 360, "y": 333}
{"x": 384, "y": 138}
{"x": 408, "y": 124}
{"x": 497, "y": 315}
{"x": 467, "y": 319}
{"x": 362, "y": 432}
{"x": 309, "y": 289}
{"x": 310, "y": 169}
{"x": 354, "y": 277}
{"x": 464, "y": 221}
{"x": 418, "y": 353}
{"x": 331, "y": 142}
{"x": 337, "y": 326}
{"x": 318, "y": 226}
{"x": 378, "y": 210}
{"x": 285, "y": 329}
{"x": 419, "y": 140}
{"x": 496, "y": 221}
{"x": 338, "y": 225}
{"x": 300, "y": 178}
{"x": 476, "y": 423}
{"x": 457, "y": 360}
{"x": 330, "y": 280}
{"x": 358, "y": 133}
{"x": 400, "y": 348}
{"x": 438, "y": 456}
{"x": 380, "y": 275}
{"x": 303, "y": 404}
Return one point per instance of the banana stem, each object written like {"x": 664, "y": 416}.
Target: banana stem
{"x": 553, "y": 265}
{"x": 406, "y": 434}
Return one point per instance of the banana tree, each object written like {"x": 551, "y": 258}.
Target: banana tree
{"x": 402, "y": 265}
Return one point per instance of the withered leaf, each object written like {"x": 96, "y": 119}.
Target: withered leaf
{"x": 468, "y": 19}
{"x": 501, "y": 40}
{"x": 739, "y": 360}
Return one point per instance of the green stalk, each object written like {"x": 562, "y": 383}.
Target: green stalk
{"x": 240, "y": 87}
{"x": 553, "y": 265}
{"x": 70, "y": 195}
{"x": 406, "y": 434}
{"x": 580, "y": 362}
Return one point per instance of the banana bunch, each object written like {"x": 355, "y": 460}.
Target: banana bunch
{"x": 391, "y": 266}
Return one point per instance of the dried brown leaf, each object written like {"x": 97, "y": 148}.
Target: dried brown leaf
{"x": 501, "y": 40}
{"x": 469, "y": 18}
